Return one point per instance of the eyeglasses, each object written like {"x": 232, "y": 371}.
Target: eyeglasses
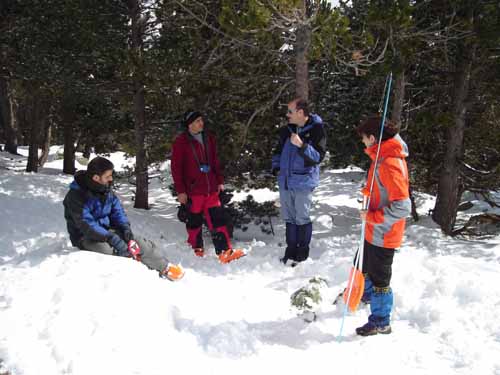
{"x": 290, "y": 111}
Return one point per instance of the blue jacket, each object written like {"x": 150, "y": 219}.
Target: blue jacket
{"x": 91, "y": 210}
{"x": 299, "y": 167}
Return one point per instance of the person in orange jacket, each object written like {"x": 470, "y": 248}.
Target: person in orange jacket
{"x": 385, "y": 218}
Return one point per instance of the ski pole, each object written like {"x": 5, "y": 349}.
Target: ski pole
{"x": 383, "y": 95}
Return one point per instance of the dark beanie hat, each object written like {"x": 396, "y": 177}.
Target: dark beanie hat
{"x": 190, "y": 116}
{"x": 98, "y": 166}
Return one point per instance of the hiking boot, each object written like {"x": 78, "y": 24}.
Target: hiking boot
{"x": 370, "y": 329}
{"x": 199, "y": 252}
{"x": 286, "y": 262}
{"x": 172, "y": 272}
{"x": 230, "y": 255}
{"x": 384, "y": 330}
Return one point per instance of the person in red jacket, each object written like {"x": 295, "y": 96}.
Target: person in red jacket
{"x": 385, "y": 218}
{"x": 198, "y": 180}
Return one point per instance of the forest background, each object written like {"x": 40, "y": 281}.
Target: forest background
{"x": 107, "y": 75}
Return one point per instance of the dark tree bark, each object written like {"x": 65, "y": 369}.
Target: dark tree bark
{"x": 69, "y": 149}
{"x": 450, "y": 186}
{"x": 141, "y": 163}
{"x": 399, "y": 95}
{"x": 35, "y": 120}
{"x": 68, "y": 119}
{"x": 396, "y": 113}
{"x": 87, "y": 149}
{"x": 414, "y": 213}
{"x": 302, "y": 62}
{"x": 46, "y": 137}
{"x": 8, "y": 119}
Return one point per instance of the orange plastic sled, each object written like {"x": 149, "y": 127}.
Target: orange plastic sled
{"x": 358, "y": 288}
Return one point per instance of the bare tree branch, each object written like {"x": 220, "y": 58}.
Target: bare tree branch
{"x": 262, "y": 109}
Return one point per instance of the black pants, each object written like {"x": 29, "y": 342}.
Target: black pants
{"x": 377, "y": 264}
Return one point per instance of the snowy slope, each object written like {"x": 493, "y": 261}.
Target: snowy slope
{"x": 65, "y": 311}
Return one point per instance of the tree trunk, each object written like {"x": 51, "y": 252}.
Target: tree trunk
{"x": 87, "y": 150}
{"x": 397, "y": 111}
{"x": 32, "y": 165}
{"x": 47, "y": 135}
{"x": 141, "y": 163}
{"x": 302, "y": 63}
{"x": 22, "y": 120}
{"x": 8, "y": 118}
{"x": 69, "y": 149}
{"x": 34, "y": 123}
{"x": 450, "y": 187}
{"x": 68, "y": 119}
{"x": 399, "y": 96}
{"x": 414, "y": 212}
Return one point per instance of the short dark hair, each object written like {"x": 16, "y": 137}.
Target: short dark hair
{"x": 371, "y": 126}
{"x": 98, "y": 166}
{"x": 301, "y": 104}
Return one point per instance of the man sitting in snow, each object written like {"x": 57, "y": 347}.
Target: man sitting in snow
{"x": 97, "y": 222}
{"x": 385, "y": 218}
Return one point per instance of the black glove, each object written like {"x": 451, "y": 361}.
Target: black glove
{"x": 128, "y": 235}
{"x": 275, "y": 171}
{"x": 118, "y": 245}
{"x": 183, "y": 213}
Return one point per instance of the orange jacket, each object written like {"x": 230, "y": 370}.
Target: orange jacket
{"x": 390, "y": 202}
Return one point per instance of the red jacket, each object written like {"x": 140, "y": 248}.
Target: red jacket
{"x": 185, "y": 166}
{"x": 390, "y": 203}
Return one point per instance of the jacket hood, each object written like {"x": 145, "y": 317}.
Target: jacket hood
{"x": 392, "y": 147}
{"x": 314, "y": 119}
{"x": 79, "y": 181}
{"x": 82, "y": 182}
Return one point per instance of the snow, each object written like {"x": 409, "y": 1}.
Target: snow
{"x": 259, "y": 195}
{"x": 65, "y": 311}
{"x": 336, "y": 3}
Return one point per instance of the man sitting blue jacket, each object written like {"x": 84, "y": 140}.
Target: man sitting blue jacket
{"x": 97, "y": 222}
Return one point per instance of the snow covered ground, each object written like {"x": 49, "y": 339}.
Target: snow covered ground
{"x": 65, "y": 311}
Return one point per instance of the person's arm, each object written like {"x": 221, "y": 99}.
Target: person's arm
{"x": 118, "y": 218}
{"x": 314, "y": 152}
{"x": 393, "y": 176}
{"x": 176, "y": 167}
{"x": 275, "y": 162}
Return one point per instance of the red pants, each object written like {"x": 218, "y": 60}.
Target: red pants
{"x": 208, "y": 206}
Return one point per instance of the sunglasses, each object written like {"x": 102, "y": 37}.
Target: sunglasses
{"x": 290, "y": 111}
